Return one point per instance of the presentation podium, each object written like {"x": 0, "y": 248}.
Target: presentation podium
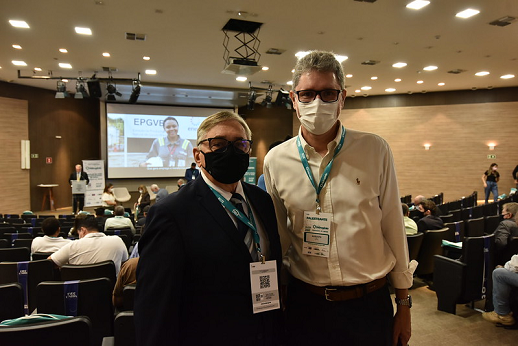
{"x": 78, "y": 187}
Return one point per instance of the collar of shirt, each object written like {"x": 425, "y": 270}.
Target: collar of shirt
{"x": 94, "y": 234}
{"x": 330, "y": 146}
{"x": 167, "y": 141}
{"x": 226, "y": 194}
{"x": 119, "y": 217}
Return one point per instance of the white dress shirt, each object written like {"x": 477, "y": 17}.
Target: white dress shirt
{"x": 368, "y": 239}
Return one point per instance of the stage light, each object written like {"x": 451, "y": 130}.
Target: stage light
{"x": 267, "y": 102}
{"x": 112, "y": 91}
{"x": 61, "y": 88}
{"x": 135, "y": 92}
{"x": 252, "y": 95}
{"x": 80, "y": 89}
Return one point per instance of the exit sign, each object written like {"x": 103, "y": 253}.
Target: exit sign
{"x": 491, "y": 156}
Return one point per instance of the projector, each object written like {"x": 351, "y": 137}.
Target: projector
{"x": 242, "y": 67}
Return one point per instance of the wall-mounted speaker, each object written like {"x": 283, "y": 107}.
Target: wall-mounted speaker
{"x": 94, "y": 88}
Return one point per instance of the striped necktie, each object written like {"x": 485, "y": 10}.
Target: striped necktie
{"x": 238, "y": 201}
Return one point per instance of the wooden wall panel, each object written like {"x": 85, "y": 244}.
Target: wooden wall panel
{"x": 14, "y": 181}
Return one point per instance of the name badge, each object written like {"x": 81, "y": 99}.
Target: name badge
{"x": 317, "y": 234}
{"x": 265, "y": 291}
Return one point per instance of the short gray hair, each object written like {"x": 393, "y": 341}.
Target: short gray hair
{"x": 512, "y": 208}
{"x": 218, "y": 118}
{"x": 320, "y": 61}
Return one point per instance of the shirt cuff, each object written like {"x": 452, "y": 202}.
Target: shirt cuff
{"x": 404, "y": 279}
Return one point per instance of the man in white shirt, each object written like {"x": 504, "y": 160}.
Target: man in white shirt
{"x": 51, "y": 241}
{"x": 410, "y": 225}
{"x": 92, "y": 247}
{"x": 119, "y": 221}
{"x": 338, "y": 211}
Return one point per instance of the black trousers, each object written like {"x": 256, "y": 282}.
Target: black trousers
{"x": 78, "y": 199}
{"x": 312, "y": 320}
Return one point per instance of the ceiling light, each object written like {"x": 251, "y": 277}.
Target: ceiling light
{"x": 289, "y": 82}
{"x": 417, "y": 4}
{"x": 430, "y": 68}
{"x": 293, "y": 71}
{"x": 106, "y": 54}
{"x": 441, "y": 84}
{"x": 467, "y": 13}
{"x": 341, "y": 58}
{"x": 482, "y": 73}
{"x": 19, "y": 24}
{"x": 61, "y": 88}
{"x": 150, "y": 71}
{"x": 507, "y": 76}
{"x": 374, "y": 78}
{"x": 17, "y": 46}
{"x": 146, "y": 58}
{"x": 37, "y": 69}
{"x": 80, "y": 89}
{"x": 357, "y": 91}
{"x": 390, "y": 90}
{"x": 300, "y": 55}
{"x": 265, "y": 68}
{"x": 366, "y": 87}
{"x": 349, "y": 76}
{"x": 65, "y": 65}
{"x": 420, "y": 82}
{"x": 83, "y": 31}
{"x": 397, "y": 80}
{"x": 241, "y": 79}
{"x": 19, "y": 63}
{"x": 399, "y": 64}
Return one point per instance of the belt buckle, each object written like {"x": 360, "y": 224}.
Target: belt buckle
{"x": 327, "y": 293}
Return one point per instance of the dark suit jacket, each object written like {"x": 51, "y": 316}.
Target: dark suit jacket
{"x": 193, "y": 277}
{"x": 189, "y": 173}
{"x": 429, "y": 222}
{"x": 84, "y": 176}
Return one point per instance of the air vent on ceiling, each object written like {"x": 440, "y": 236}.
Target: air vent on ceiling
{"x": 135, "y": 37}
{"x": 370, "y": 62}
{"x": 456, "y": 71}
{"x": 275, "y": 51}
{"x": 110, "y": 69}
{"x": 504, "y": 21}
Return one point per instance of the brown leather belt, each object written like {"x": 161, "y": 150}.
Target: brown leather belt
{"x": 341, "y": 293}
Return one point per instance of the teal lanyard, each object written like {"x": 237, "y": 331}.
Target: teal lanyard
{"x": 249, "y": 222}
{"x": 323, "y": 178}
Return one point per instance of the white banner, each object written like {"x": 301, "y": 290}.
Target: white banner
{"x": 94, "y": 190}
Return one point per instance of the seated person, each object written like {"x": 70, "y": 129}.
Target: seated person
{"x": 127, "y": 276}
{"x": 108, "y": 198}
{"x": 142, "y": 221}
{"x": 417, "y": 199}
{"x": 504, "y": 280}
{"x": 180, "y": 183}
{"x": 160, "y": 193}
{"x": 430, "y": 220}
{"x": 93, "y": 246}
{"x": 143, "y": 201}
{"x": 99, "y": 216}
{"x": 51, "y": 241}
{"x": 119, "y": 221}
{"x": 505, "y": 231}
{"x": 410, "y": 225}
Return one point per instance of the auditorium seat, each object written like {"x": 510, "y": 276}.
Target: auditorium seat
{"x": 121, "y": 194}
{"x": 432, "y": 245}
{"x": 124, "y": 329}
{"x": 414, "y": 244}
{"x": 105, "y": 269}
{"x": 128, "y": 297}
{"x": 492, "y": 223}
{"x": 474, "y": 227}
{"x": 20, "y": 242}
{"x": 455, "y": 231}
{"x": 15, "y": 254}
{"x": 11, "y": 301}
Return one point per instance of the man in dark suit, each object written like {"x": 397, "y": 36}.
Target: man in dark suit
{"x": 194, "y": 274}
{"x": 430, "y": 220}
{"x": 78, "y": 198}
{"x": 191, "y": 173}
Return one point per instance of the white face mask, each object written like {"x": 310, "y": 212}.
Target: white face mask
{"x": 318, "y": 117}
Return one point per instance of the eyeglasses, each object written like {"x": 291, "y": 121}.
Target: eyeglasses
{"x": 220, "y": 145}
{"x": 328, "y": 95}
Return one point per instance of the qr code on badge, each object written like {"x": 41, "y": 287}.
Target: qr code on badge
{"x": 264, "y": 281}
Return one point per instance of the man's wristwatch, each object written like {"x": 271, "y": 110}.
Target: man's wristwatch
{"x": 406, "y": 301}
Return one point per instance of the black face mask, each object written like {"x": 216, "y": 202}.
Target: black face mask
{"x": 227, "y": 167}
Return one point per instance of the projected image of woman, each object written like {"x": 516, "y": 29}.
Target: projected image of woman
{"x": 170, "y": 151}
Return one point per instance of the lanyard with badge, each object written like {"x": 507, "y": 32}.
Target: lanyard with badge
{"x": 317, "y": 225}
{"x": 263, "y": 274}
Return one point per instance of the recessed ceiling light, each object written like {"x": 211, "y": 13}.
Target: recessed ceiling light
{"x": 430, "y": 68}
{"x": 19, "y": 63}
{"x": 467, "y": 13}
{"x": 241, "y": 79}
{"x": 17, "y": 46}
{"x": 106, "y": 54}
{"x": 300, "y": 55}
{"x": 63, "y": 50}
{"x": 146, "y": 58}
{"x": 83, "y": 31}
{"x": 441, "y": 84}
{"x": 374, "y": 78}
{"x": 390, "y": 90}
{"x": 289, "y": 82}
{"x": 65, "y": 65}
{"x": 265, "y": 68}
{"x": 19, "y": 23}
{"x": 399, "y": 64}
{"x": 349, "y": 76}
{"x": 397, "y": 80}
{"x": 37, "y": 69}
{"x": 507, "y": 76}
{"x": 357, "y": 91}
{"x": 481, "y": 73}
{"x": 150, "y": 71}
{"x": 417, "y": 4}
{"x": 341, "y": 58}
{"x": 293, "y": 71}
{"x": 366, "y": 87}
{"x": 420, "y": 82}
